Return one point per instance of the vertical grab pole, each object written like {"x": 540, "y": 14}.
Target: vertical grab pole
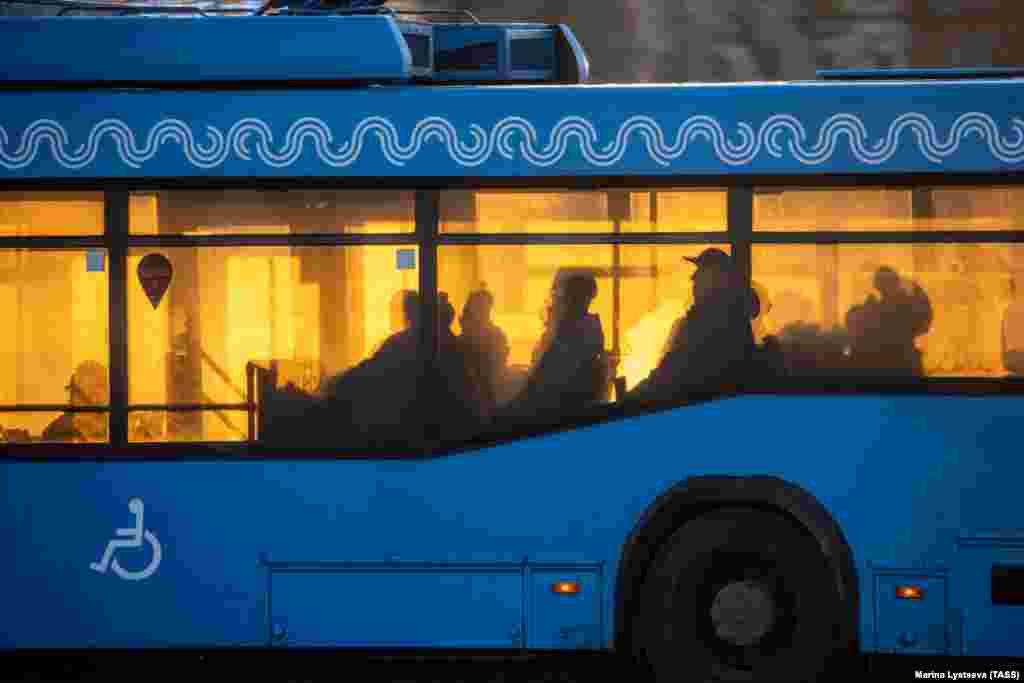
{"x": 618, "y": 211}
{"x": 741, "y": 228}
{"x": 428, "y": 216}
{"x": 653, "y": 249}
{"x": 116, "y": 216}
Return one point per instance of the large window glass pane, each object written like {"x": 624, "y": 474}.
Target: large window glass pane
{"x": 54, "y": 349}
{"x": 241, "y": 212}
{"x": 892, "y": 208}
{"x": 943, "y": 310}
{"x": 279, "y": 326}
{"x": 532, "y": 211}
{"x": 538, "y": 344}
{"x": 36, "y": 213}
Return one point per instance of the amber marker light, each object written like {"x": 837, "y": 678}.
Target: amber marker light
{"x": 909, "y": 592}
{"x": 565, "y": 587}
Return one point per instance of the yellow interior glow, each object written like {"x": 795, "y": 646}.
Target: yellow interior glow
{"x": 40, "y": 213}
{"x": 325, "y": 309}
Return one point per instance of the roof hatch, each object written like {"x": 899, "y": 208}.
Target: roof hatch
{"x": 359, "y": 41}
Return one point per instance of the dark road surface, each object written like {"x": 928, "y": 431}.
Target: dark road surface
{"x": 578, "y": 668}
{"x": 343, "y": 667}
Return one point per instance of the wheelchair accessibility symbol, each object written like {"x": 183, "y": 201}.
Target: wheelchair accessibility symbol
{"x": 131, "y": 538}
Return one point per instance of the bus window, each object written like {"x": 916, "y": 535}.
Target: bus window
{"x": 55, "y": 347}
{"x": 891, "y": 208}
{"x": 531, "y": 211}
{"x": 510, "y": 301}
{"x": 42, "y": 213}
{"x": 327, "y": 327}
{"x": 284, "y": 212}
{"x": 940, "y": 310}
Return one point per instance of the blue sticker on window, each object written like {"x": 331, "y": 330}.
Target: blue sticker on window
{"x": 94, "y": 261}
{"x": 406, "y": 259}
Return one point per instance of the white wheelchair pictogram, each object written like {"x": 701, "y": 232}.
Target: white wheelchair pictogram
{"x": 131, "y": 538}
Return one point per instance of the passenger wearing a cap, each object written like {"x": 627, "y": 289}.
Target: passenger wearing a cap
{"x": 712, "y": 344}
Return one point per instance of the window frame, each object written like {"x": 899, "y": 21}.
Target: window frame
{"x": 739, "y": 235}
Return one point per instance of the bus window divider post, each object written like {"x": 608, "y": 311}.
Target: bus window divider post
{"x": 740, "y": 217}
{"x": 116, "y": 220}
{"x": 428, "y": 216}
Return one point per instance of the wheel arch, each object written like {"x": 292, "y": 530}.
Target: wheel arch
{"x": 695, "y": 496}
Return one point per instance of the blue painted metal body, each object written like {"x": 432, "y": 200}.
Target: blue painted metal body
{"x": 286, "y": 551}
{"x": 189, "y": 50}
{"x": 185, "y": 49}
{"x": 516, "y": 131}
{"x": 906, "y": 478}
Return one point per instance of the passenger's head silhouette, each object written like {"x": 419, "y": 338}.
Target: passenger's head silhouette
{"x": 580, "y": 290}
{"x": 477, "y": 311}
{"x": 571, "y": 294}
{"x": 888, "y": 282}
{"x": 715, "y": 273}
{"x": 89, "y": 385}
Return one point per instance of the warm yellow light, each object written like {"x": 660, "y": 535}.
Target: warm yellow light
{"x": 909, "y": 592}
{"x": 565, "y": 587}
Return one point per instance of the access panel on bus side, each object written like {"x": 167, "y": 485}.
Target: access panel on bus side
{"x": 398, "y": 607}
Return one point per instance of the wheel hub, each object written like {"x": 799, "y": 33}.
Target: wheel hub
{"x": 743, "y": 612}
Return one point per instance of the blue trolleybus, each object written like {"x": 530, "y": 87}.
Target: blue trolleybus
{"x": 354, "y": 328}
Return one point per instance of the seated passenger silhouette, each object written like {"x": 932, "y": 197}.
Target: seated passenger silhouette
{"x": 463, "y": 400}
{"x": 712, "y": 344}
{"x": 1013, "y": 330}
{"x": 89, "y": 386}
{"x": 374, "y": 399}
{"x": 485, "y": 344}
{"x": 810, "y": 351}
{"x": 567, "y": 360}
{"x": 768, "y": 354}
{"x": 882, "y": 330}
{"x": 378, "y": 400}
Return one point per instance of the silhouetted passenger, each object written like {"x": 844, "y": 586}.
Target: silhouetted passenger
{"x": 381, "y": 400}
{"x": 89, "y": 386}
{"x": 375, "y": 399}
{"x": 769, "y": 359}
{"x": 484, "y": 343}
{"x": 712, "y": 345}
{"x": 882, "y": 330}
{"x": 567, "y": 363}
{"x": 463, "y": 401}
{"x": 1013, "y": 331}
{"x": 810, "y": 351}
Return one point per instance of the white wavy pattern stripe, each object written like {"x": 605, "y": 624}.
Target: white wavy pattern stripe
{"x": 779, "y": 137}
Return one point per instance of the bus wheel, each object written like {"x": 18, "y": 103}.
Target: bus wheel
{"x": 738, "y": 595}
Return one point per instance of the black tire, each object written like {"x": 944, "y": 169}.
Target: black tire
{"x": 786, "y": 612}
